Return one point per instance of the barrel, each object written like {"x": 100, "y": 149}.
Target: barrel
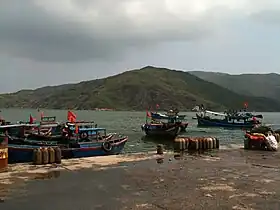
{"x": 37, "y": 156}
{"x": 51, "y": 155}
{"x": 3, "y": 156}
{"x": 194, "y": 144}
{"x": 3, "y": 153}
{"x": 45, "y": 155}
{"x": 209, "y": 143}
{"x": 181, "y": 144}
{"x": 57, "y": 152}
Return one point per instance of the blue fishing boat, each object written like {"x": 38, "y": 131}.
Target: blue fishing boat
{"x": 78, "y": 140}
{"x": 228, "y": 120}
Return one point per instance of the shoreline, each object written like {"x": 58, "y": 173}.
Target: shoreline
{"x": 220, "y": 179}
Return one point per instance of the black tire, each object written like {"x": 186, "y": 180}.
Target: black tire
{"x": 84, "y": 136}
{"x": 107, "y": 146}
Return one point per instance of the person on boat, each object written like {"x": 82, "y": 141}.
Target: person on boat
{"x": 271, "y": 142}
{"x": 99, "y": 136}
{"x": 65, "y": 131}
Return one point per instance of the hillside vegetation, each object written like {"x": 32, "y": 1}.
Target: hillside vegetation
{"x": 137, "y": 90}
{"x": 261, "y": 85}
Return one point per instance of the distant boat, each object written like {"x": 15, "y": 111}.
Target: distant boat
{"x": 230, "y": 120}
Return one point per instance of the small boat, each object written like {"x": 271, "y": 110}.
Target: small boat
{"x": 171, "y": 117}
{"x": 82, "y": 140}
{"x": 168, "y": 125}
{"x": 228, "y": 120}
{"x": 161, "y": 129}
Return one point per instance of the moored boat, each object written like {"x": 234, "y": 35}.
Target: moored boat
{"x": 167, "y": 125}
{"x": 162, "y": 129}
{"x": 80, "y": 140}
{"x": 228, "y": 120}
{"x": 172, "y": 116}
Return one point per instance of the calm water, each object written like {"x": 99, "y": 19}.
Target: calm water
{"x": 129, "y": 123}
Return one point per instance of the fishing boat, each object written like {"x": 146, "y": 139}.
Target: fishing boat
{"x": 228, "y": 119}
{"x": 161, "y": 129}
{"x": 172, "y": 116}
{"x": 80, "y": 140}
{"x": 167, "y": 125}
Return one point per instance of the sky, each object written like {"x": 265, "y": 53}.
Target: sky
{"x": 50, "y": 42}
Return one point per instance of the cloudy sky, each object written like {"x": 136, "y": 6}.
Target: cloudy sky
{"x": 47, "y": 42}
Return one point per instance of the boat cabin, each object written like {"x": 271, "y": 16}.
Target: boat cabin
{"x": 234, "y": 118}
{"x": 48, "y": 120}
{"x": 170, "y": 117}
{"x": 86, "y": 131}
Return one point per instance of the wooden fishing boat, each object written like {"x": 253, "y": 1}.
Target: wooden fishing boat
{"x": 228, "y": 120}
{"x": 171, "y": 117}
{"x": 81, "y": 141}
{"x": 169, "y": 124}
{"x": 162, "y": 129}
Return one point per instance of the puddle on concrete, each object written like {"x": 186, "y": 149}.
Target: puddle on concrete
{"x": 48, "y": 175}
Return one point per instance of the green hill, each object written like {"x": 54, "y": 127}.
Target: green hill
{"x": 260, "y": 85}
{"x": 137, "y": 90}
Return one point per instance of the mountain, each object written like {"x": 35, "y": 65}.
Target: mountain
{"x": 260, "y": 85}
{"x": 137, "y": 90}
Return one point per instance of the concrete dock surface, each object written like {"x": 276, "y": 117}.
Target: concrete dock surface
{"x": 225, "y": 179}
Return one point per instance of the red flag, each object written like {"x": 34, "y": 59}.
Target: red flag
{"x": 31, "y": 119}
{"x": 71, "y": 117}
{"x": 76, "y": 129}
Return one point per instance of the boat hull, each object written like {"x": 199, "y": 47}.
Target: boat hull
{"x": 222, "y": 123}
{"x": 159, "y": 130}
{"x": 24, "y": 153}
{"x": 183, "y": 127}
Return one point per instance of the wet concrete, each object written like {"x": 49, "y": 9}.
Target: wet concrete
{"x": 229, "y": 179}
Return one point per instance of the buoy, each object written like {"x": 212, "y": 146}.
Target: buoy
{"x": 37, "y": 156}
{"x": 57, "y": 155}
{"x": 51, "y": 155}
{"x": 45, "y": 155}
{"x": 159, "y": 149}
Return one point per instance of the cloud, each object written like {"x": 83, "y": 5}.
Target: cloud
{"x": 81, "y": 30}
